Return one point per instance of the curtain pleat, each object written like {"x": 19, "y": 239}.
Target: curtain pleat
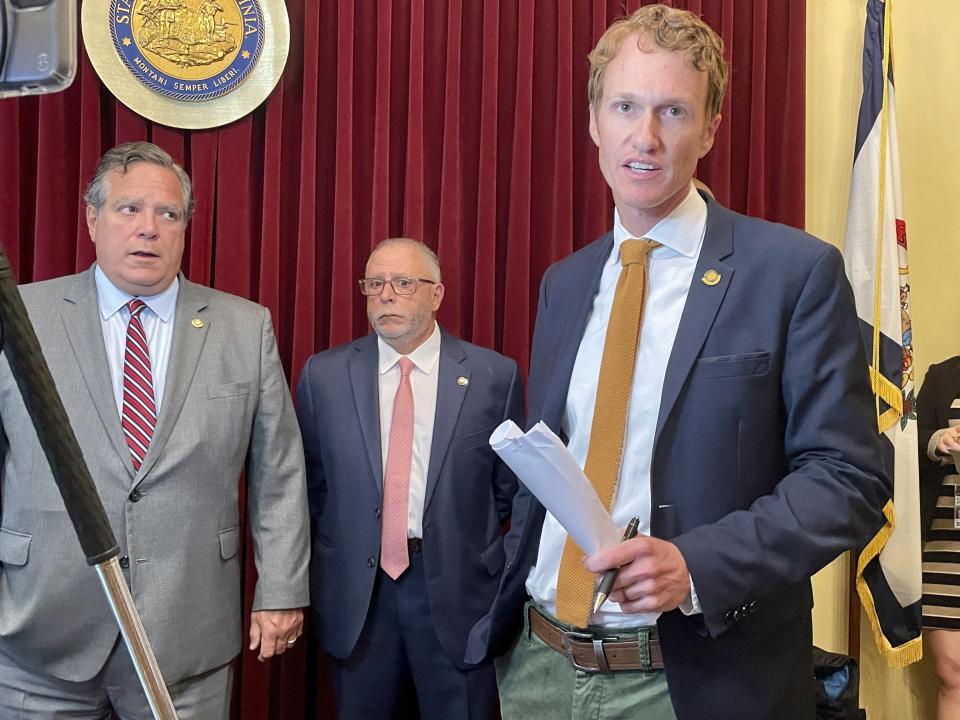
{"x": 486, "y": 312}
{"x": 459, "y": 122}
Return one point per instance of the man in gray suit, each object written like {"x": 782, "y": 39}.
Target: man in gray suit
{"x": 406, "y": 496}
{"x": 172, "y": 389}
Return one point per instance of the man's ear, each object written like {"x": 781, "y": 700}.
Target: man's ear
{"x": 709, "y": 132}
{"x": 92, "y": 216}
{"x": 594, "y": 130}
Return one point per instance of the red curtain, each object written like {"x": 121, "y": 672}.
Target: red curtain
{"x": 459, "y": 122}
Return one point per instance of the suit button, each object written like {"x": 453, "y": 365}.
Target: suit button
{"x": 728, "y": 617}
{"x": 371, "y": 562}
{"x": 737, "y": 615}
{"x": 124, "y": 562}
{"x": 135, "y": 496}
{"x": 376, "y": 513}
{"x": 752, "y": 607}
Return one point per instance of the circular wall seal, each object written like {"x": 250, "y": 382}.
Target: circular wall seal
{"x": 188, "y": 63}
{"x": 188, "y": 49}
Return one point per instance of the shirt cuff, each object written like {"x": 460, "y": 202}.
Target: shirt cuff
{"x": 691, "y": 605}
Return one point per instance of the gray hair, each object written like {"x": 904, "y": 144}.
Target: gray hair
{"x": 121, "y": 158}
{"x": 429, "y": 255}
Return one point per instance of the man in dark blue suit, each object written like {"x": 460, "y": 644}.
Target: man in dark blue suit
{"x": 406, "y": 497}
{"x": 750, "y": 452}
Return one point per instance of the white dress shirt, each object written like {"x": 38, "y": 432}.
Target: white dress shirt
{"x": 157, "y": 321}
{"x": 423, "y": 380}
{"x": 671, "y": 271}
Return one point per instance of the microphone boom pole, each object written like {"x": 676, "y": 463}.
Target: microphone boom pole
{"x": 40, "y": 396}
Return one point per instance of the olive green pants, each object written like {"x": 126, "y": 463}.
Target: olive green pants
{"x": 538, "y": 683}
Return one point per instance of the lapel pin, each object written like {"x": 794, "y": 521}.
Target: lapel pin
{"x": 711, "y": 277}
{"x": 461, "y": 381}
{"x": 197, "y": 323}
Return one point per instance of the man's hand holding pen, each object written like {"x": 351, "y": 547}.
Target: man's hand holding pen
{"x": 653, "y": 575}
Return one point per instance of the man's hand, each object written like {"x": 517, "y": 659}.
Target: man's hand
{"x": 653, "y": 574}
{"x": 274, "y": 631}
{"x": 949, "y": 442}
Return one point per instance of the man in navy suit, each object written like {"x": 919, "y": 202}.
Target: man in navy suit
{"x": 750, "y": 455}
{"x": 408, "y": 401}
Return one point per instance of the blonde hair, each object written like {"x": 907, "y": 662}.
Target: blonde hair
{"x": 670, "y": 29}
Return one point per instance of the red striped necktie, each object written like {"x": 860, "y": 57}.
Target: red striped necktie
{"x": 139, "y": 416}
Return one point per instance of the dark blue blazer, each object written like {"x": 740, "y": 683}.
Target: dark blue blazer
{"x": 766, "y": 460}
{"x": 468, "y": 495}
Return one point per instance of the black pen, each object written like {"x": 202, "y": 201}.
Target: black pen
{"x": 610, "y": 576}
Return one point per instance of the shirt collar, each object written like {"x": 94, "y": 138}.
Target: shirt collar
{"x": 112, "y": 299}
{"x": 425, "y": 357}
{"x": 681, "y": 231}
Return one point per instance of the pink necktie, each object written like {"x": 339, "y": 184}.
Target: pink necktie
{"x": 396, "y": 480}
{"x": 139, "y": 416}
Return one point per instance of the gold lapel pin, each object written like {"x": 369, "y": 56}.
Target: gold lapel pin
{"x": 461, "y": 381}
{"x": 711, "y": 277}
{"x": 197, "y": 323}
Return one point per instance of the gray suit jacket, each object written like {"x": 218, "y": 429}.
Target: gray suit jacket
{"x": 226, "y": 408}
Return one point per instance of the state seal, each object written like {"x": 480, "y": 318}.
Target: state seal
{"x": 169, "y": 59}
{"x": 188, "y": 49}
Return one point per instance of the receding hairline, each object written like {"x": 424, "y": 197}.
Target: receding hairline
{"x": 122, "y": 158}
{"x": 426, "y": 253}
{"x": 123, "y": 172}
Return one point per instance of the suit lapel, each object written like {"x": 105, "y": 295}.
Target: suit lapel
{"x": 81, "y": 322}
{"x": 703, "y": 302}
{"x": 582, "y": 290}
{"x": 365, "y": 383}
{"x": 450, "y": 396}
{"x": 184, "y": 356}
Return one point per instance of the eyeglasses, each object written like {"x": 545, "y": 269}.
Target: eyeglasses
{"x": 400, "y": 285}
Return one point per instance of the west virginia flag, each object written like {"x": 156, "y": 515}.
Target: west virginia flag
{"x": 875, "y": 252}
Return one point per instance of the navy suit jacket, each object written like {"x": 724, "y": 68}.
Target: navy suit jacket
{"x": 766, "y": 460}
{"x": 941, "y": 386}
{"x": 468, "y": 495}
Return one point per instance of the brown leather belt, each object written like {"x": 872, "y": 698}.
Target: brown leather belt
{"x": 591, "y": 653}
{"x": 414, "y": 545}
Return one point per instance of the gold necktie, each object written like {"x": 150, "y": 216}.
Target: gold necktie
{"x": 575, "y": 584}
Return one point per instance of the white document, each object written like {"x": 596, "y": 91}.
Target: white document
{"x": 543, "y": 463}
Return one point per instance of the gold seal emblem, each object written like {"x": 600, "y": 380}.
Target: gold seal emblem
{"x": 188, "y": 63}
{"x": 711, "y": 277}
{"x": 191, "y": 50}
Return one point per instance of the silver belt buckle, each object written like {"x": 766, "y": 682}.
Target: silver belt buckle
{"x": 569, "y": 636}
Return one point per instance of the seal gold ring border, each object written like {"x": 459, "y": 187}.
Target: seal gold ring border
{"x": 169, "y": 84}
{"x": 95, "y": 24}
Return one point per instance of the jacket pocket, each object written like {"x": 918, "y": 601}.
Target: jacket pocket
{"x": 228, "y": 390}
{"x": 477, "y": 439}
{"x": 721, "y": 366}
{"x": 14, "y": 547}
{"x": 229, "y": 542}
